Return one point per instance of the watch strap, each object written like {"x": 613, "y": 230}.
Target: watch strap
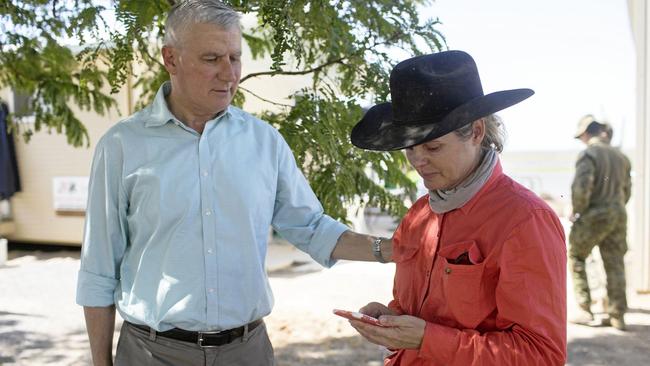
{"x": 376, "y": 250}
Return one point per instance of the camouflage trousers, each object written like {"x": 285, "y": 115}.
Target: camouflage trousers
{"x": 606, "y": 228}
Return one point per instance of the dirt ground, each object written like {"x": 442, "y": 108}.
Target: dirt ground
{"x": 41, "y": 325}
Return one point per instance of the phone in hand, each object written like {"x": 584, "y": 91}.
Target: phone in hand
{"x": 353, "y": 315}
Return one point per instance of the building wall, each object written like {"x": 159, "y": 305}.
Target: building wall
{"x": 47, "y": 155}
{"x": 640, "y": 236}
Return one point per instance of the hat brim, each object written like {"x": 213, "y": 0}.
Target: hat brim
{"x": 378, "y": 130}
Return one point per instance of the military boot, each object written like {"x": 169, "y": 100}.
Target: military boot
{"x": 583, "y": 316}
{"x": 615, "y": 321}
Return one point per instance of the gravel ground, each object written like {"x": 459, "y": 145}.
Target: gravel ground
{"x": 41, "y": 325}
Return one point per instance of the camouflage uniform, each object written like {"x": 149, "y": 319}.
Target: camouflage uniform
{"x": 600, "y": 190}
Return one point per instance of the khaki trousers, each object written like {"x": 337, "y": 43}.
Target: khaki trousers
{"x": 137, "y": 347}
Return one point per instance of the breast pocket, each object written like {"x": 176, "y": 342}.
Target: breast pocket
{"x": 403, "y": 254}
{"x": 465, "y": 284}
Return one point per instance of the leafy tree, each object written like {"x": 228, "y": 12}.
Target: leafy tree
{"x": 343, "y": 45}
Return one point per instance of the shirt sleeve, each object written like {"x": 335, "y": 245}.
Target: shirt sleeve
{"x": 583, "y": 183}
{"x": 105, "y": 234}
{"x": 394, "y": 303}
{"x": 397, "y": 238}
{"x": 298, "y": 215}
{"x": 531, "y": 305}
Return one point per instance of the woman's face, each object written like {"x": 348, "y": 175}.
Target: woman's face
{"x": 444, "y": 162}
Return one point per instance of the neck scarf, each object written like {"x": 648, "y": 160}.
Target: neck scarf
{"x": 442, "y": 201}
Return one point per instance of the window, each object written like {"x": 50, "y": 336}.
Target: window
{"x": 22, "y": 109}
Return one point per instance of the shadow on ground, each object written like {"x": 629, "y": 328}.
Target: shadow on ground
{"x": 607, "y": 348}
{"x": 295, "y": 269}
{"x": 42, "y": 251}
{"x": 641, "y": 311}
{"x": 330, "y": 352}
{"x": 19, "y": 346}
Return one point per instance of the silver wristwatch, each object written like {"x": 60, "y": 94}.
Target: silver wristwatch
{"x": 376, "y": 250}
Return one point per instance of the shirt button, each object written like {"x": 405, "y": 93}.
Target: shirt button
{"x": 209, "y": 251}
{"x": 447, "y": 270}
{"x": 210, "y": 290}
{"x": 208, "y": 213}
{"x": 205, "y": 173}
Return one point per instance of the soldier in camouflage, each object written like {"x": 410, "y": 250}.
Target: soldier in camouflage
{"x": 601, "y": 188}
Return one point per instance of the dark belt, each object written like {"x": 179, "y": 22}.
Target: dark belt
{"x": 203, "y": 339}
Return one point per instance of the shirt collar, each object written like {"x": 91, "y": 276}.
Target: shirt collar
{"x": 160, "y": 113}
{"x": 496, "y": 173}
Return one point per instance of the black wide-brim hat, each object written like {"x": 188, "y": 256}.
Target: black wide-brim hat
{"x": 431, "y": 95}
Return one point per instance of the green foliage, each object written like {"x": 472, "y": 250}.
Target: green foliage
{"x": 33, "y": 61}
{"x": 342, "y": 45}
{"x": 338, "y": 171}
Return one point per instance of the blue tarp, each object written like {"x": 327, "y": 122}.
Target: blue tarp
{"x": 9, "y": 180}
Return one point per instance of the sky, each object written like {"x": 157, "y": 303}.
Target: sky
{"x": 577, "y": 56}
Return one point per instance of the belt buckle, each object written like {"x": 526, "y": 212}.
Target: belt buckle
{"x": 200, "y": 339}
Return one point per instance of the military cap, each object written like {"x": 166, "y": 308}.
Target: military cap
{"x": 584, "y": 124}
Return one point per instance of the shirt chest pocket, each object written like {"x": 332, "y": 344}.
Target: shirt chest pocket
{"x": 466, "y": 284}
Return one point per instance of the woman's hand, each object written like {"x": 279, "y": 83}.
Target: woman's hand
{"x": 375, "y": 310}
{"x": 399, "y": 331}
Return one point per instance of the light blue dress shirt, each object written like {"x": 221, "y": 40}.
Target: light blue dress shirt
{"x": 177, "y": 222}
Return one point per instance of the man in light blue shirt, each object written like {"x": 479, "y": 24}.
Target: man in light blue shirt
{"x": 181, "y": 198}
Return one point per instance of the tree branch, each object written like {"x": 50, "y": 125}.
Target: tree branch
{"x": 145, "y": 53}
{"x": 303, "y": 72}
{"x": 392, "y": 39}
{"x": 264, "y": 99}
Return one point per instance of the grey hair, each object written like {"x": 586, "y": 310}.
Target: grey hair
{"x": 495, "y": 133}
{"x": 186, "y": 13}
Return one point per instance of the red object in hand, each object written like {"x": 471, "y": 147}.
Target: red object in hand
{"x": 353, "y": 315}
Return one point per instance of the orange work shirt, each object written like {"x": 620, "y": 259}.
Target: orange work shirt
{"x": 489, "y": 278}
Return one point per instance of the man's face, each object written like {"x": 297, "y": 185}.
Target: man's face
{"x": 205, "y": 67}
{"x": 584, "y": 138}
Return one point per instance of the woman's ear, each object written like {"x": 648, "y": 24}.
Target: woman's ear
{"x": 478, "y": 131}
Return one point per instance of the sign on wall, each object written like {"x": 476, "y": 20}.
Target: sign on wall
{"x": 70, "y": 193}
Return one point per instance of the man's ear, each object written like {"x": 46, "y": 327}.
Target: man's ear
{"x": 170, "y": 59}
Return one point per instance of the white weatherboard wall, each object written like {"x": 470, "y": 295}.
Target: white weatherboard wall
{"x": 639, "y": 14}
{"x": 46, "y": 156}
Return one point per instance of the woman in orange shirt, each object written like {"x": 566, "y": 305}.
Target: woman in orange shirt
{"x": 480, "y": 261}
